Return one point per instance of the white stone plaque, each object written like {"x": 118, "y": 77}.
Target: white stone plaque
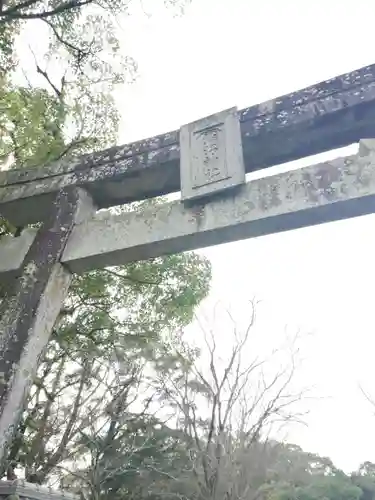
{"x": 211, "y": 155}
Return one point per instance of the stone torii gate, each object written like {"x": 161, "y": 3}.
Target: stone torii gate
{"x": 207, "y": 161}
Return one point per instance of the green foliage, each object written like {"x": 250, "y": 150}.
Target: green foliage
{"x": 32, "y": 122}
{"x": 364, "y": 478}
{"x": 155, "y": 457}
{"x": 306, "y": 476}
{"x": 321, "y": 488}
{"x": 114, "y": 328}
{"x": 64, "y": 106}
{"x": 92, "y": 396}
{"x": 137, "y": 304}
{"x": 8, "y": 33}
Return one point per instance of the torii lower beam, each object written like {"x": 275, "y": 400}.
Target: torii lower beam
{"x": 330, "y": 191}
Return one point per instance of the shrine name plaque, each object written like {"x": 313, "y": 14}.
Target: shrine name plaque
{"x": 211, "y": 155}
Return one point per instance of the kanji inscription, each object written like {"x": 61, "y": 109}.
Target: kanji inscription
{"x": 210, "y": 144}
{"x": 211, "y": 155}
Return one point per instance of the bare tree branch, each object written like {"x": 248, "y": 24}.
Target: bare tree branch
{"x": 13, "y": 13}
{"x": 242, "y": 404}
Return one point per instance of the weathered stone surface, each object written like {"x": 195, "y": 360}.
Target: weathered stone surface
{"x": 27, "y": 491}
{"x": 335, "y": 190}
{"x": 28, "y": 314}
{"x": 211, "y": 155}
{"x": 366, "y": 147}
{"x": 325, "y": 116}
{"x": 13, "y": 250}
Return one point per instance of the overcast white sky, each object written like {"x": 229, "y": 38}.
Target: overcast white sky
{"x": 225, "y": 53}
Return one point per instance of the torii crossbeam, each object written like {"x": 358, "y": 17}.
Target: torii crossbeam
{"x": 207, "y": 161}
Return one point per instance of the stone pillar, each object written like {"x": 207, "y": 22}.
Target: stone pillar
{"x": 21, "y": 490}
{"x": 28, "y": 314}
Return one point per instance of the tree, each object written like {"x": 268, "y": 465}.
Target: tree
{"x": 115, "y": 321}
{"x": 67, "y": 98}
{"x": 114, "y": 325}
{"x": 226, "y": 404}
{"x": 136, "y": 462}
{"x": 200, "y": 432}
{"x": 11, "y": 10}
{"x": 330, "y": 488}
{"x": 364, "y": 479}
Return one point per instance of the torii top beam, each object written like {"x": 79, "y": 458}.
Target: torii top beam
{"x": 329, "y": 115}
